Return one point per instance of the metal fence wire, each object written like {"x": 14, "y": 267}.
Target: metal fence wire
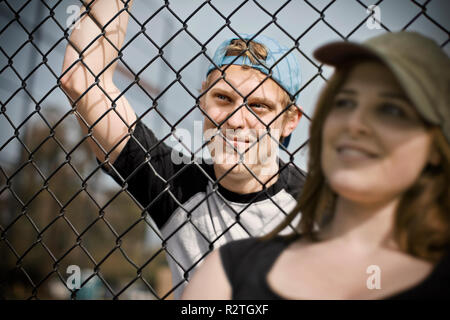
{"x": 59, "y": 211}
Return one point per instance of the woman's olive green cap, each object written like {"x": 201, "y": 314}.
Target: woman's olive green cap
{"x": 419, "y": 64}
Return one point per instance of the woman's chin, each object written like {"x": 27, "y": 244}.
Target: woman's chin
{"x": 357, "y": 191}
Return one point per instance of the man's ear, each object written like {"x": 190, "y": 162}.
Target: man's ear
{"x": 292, "y": 120}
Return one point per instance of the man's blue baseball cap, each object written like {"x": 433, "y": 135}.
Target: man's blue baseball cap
{"x": 281, "y": 66}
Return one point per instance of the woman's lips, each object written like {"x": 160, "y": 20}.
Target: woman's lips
{"x": 355, "y": 152}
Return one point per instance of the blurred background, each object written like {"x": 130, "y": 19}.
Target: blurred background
{"x": 57, "y": 208}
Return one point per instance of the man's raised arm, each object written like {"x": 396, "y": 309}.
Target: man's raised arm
{"x": 97, "y": 100}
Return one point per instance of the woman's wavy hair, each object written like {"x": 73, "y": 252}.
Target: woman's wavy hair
{"x": 422, "y": 220}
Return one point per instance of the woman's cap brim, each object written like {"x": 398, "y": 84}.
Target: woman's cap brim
{"x": 336, "y": 53}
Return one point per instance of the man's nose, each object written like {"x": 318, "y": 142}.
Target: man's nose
{"x": 236, "y": 118}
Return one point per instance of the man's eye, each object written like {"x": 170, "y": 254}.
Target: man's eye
{"x": 258, "y": 105}
{"x": 222, "y": 97}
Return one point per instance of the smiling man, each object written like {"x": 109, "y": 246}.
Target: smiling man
{"x": 252, "y": 111}
{"x": 249, "y": 102}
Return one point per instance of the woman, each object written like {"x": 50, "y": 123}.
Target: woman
{"x": 376, "y": 203}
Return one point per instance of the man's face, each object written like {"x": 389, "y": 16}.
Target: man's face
{"x": 243, "y": 135}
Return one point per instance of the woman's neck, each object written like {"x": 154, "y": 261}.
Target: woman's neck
{"x": 363, "y": 226}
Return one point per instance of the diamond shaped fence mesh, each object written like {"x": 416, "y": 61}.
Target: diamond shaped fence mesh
{"x": 67, "y": 229}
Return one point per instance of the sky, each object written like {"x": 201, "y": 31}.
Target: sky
{"x": 202, "y": 23}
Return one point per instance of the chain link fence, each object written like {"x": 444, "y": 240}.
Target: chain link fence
{"x": 60, "y": 216}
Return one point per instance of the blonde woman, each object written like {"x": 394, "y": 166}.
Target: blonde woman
{"x": 375, "y": 210}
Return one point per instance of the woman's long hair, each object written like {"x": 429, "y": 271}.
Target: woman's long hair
{"x": 422, "y": 219}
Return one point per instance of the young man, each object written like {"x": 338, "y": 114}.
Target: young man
{"x": 197, "y": 206}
